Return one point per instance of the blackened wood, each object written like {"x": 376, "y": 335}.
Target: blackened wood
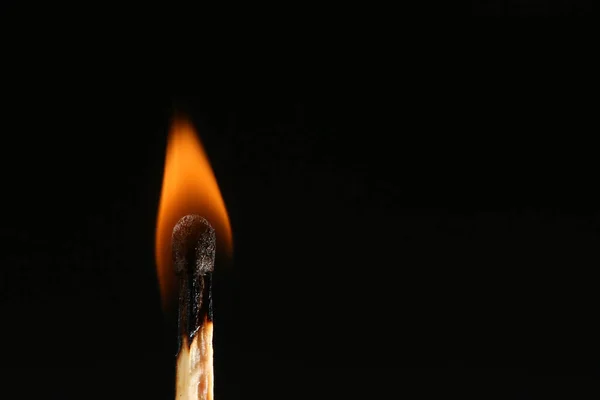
{"x": 193, "y": 243}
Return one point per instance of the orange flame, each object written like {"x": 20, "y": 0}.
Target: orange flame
{"x": 189, "y": 187}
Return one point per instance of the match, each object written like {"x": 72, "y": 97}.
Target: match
{"x": 194, "y": 243}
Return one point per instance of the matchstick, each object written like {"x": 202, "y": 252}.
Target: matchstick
{"x": 194, "y": 244}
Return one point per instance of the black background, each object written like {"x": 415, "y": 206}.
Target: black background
{"x": 399, "y": 230}
{"x": 531, "y": 8}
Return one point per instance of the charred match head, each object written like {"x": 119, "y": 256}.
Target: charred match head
{"x": 194, "y": 245}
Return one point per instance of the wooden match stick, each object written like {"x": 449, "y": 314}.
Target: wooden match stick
{"x": 194, "y": 244}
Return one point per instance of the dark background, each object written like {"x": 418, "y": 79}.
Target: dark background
{"x": 400, "y": 231}
{"x": 531, "y": 8}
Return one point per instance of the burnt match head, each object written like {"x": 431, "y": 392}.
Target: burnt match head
{"x": 194, "y": 244}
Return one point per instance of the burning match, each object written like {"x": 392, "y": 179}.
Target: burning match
{"x": 193, "y": 256}
{"x": 186, "y": 244}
